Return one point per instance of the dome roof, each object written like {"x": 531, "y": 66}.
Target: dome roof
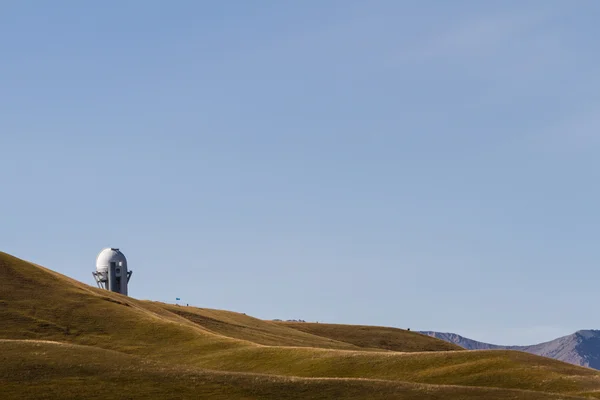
{"x": 109, "y": 255}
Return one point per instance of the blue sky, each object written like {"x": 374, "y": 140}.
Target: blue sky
{"x": 422, "y": 164}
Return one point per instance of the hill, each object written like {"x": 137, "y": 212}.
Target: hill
{"x": 61, "y": 371}
{"x": 463, "y": 342}
{"x": 580, "y": 348}
{"x": 373, "y": 337}
{"x": 62, "y": 336}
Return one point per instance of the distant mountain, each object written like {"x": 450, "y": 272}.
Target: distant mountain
{"x": 580, "y": 348}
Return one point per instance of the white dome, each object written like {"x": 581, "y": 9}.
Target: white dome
{"x": 109, "y": 255}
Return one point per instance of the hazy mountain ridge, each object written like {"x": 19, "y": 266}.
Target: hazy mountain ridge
{"x": 580, "y": 348}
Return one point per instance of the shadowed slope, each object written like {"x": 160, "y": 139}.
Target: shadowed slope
{"x": 374, "y": 337}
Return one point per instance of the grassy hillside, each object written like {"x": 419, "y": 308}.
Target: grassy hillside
{"x": 38, "y": 304}
{"x": 241, "y": 326}
{"x": 164, "y": 348}
{"x": 46, "y": 305}
{"x": 499, "y": 369}
{"x": 373, "y": 337}
{"x": 328, "y": 336}
{"x": 60, "y": 371}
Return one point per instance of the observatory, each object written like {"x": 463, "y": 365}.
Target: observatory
{"x": 111, "y": 271}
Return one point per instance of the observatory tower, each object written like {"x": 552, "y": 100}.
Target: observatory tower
{"x": 111, "y": 271}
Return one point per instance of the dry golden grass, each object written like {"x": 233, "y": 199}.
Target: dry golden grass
{"x": 49, "y": 370}
{"x": 160, "y": 350}
{"x": 373, "y": 337}
{"x": 241, "y": 326}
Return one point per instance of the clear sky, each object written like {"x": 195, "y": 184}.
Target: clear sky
{"x": 431, "y": 165}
